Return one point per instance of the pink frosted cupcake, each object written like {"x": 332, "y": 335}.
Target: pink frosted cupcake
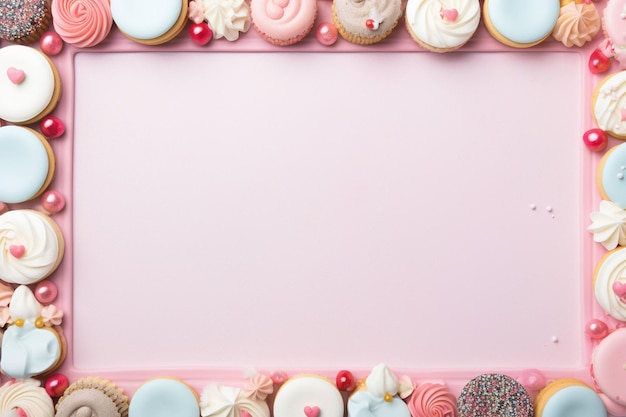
{"x": 83, "y": 23}
{"x": 283, "y": 22}
{"x": 432, "y": 400}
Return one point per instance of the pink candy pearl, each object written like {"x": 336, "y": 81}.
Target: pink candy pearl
{"x": 596, "y": 329}
{"x": 53, "y": 201}
{"x": 46, "y": 292}
{"x": 51, "y": 43}
{"x": 532, "y": 379}
{"x": 326, "y": 33}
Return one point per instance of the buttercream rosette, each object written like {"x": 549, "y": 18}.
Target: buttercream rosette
{"x": 227, "y": 18}
{"x": 83, "y": 23}
{"x": 609, "y": 225}
{"x": 578, "y": 23}
{"x": 432, "y": 400}
{"x": 27, "y": 395}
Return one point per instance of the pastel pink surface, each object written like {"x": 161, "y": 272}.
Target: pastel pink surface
{"x": 375, "y": 171}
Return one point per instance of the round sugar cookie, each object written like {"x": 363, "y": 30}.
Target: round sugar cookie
{"x": 568, "y": 397}
{"x": 494, "y": 395}
{"x": 27, "y": 164}
{"x": 608, "y": 104}
{"x": 611, "y": 175}
{"x": 31, "y": 246}
{"x": 607, "y": 366}
{"x": 520, "y": 23}
{"x": 92, "y": 396}
{"x": 164, "y": 397}
{"x": 609, "y": 284}
{"x": 150, "y": 22}
{"x": 308, "y": 396}
{"x": 30, "y": 86}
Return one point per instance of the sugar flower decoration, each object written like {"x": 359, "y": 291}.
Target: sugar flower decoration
{"x": 609, "y": 225}
{"x": 196, "y": 11}
{"x": 51, "y": 315}
{"x": 258, "y": 387}
{"x": 405, "y": 387}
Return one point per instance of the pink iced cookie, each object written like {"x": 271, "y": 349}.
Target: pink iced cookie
{"x": 607, "y": 366}
{"x": 614, "y": 25}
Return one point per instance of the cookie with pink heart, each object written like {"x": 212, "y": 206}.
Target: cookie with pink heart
{"x": 30, "y": 85}
{"x": 442, "y": 25}
{"x": 308, "y": 396}
{"x": 29, "y": 347}
{"x": 609, "y": 283}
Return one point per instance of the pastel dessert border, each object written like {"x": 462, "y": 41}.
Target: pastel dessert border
{"x": 318, "y": 41}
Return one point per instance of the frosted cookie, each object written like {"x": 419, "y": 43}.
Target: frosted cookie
{"x": 29, "y": 348}
{"x": 378, "y": 396}
{"x": 442, "y": 25}
{"x": 24, "y": 21}
{"x": 494, "y": 395}
{"x": 219, "y": 401}
{"x": 92, "y": 396}
{"x": 365, "y": 22}
{"x": 308, "y": 396}
{"x": 31, "y": 245}
{"x": 520, "y": 23}
{"x": 608, "y": 105}
{"x": 150, "y": 22}
{"x": 30, "y": 86}
{"x": 227, "y": 18}
{"x": 430, "y": 400}
{"x": 283, "y": 22}
{"x": 26, "y": 395}
{"x": 610, "y": 176}
{"x": 608, "y": 225}
{"x": 568, "y": 397}
{"x": 82, "y": 23}
{"x": 610, "y": 285}
{"x": 578, "y": 23}
{"x": 614, "y": 28}
{"x": 27, "y": 164}
{"x": 164, "y": 397}
{"x": 607, "y": 367}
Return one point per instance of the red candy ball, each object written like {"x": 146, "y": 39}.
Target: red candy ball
{"x": 200, "y": 33}
{"x": 598, "y": 62}
{"x": 53, "y": 201}
{"x": 51, "y": 43}
{"x": 56, "y": 385}
{"x": 52, "y": 127}
{"x": 345, "y": 381}
{"x": 596, "y": 329}
{"x": 595, "y": 139}
{"x": 326, "y": 33}
{"x": 46, "y": 292}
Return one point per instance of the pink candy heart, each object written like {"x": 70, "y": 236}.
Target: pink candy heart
{"x": 450, "y": 14}
{"x": 312, "y": 411}
{"x": 16, "y": 75}
{"x": 17, "y": 250}
{"x": 619, "y": 288}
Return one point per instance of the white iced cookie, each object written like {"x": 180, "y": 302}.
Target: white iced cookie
{"x": 308, "y": 396}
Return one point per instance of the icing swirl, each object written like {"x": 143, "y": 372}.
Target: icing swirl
{"x": 432, "y": 400}
{"x": 30, "y": 247}
{"x": 577, "y": 24}
{"x": 610, "y": 100}
{"x": 258, "y": 387}
{"x": 227, "y": 18}
{"x": 27, "y": 395}
{"x": 83, "y": 23}
{"x": 609, "y": 225}
{"x": 609, "y": 281}
{"x": 222, "y": 401}
{"x": 381, "y": 381}
{"x": 283, "y": 19}
{"x": 429, "y": 22}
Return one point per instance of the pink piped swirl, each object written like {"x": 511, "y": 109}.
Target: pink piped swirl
{"x": 83, "y": 23}
{"x": 432, "y": 400}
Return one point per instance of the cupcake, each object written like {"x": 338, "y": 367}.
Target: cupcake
{"x": 82, "y": 23}
{"x": 24, "y": 21}
{"x": 283, "y": 22}
{"x": 150, "y": 22}
{"x": 366, "y": 22}
{"x": 92, "y": 396}
{"x": 442, "y": 25}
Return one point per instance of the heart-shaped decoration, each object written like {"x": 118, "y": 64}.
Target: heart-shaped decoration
{"x": 17, "y": 250}
{"x": 244, "y": 413}
{"x": 619, "y": 288}
{"x": 274, "y": 11}
{"x": 16, "y": 75}
{"x": 312, "y": 411}
{"x": 450, "y": 14}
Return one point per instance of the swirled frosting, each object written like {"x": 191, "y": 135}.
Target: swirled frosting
{"x": 30, "y": 247}
{"x": 258, "y": 387}
{"x": 610, "y": 283}
{"x": 432, "y": 400}
{"x": 27, "y": 395}
{"x": 353, "y": 14}
{"x": 610, "y": 101}
{"x": 83, "y": 23}
{"x": 577, "y": 24}
{"x": 443, "y": 24}
{"x": 381, "y": 381}
{"x": 609, "y": 225}
{"x": 283, "y": 20}
{"x": 227, "y": 18}
{"x": 222, "y": 401}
